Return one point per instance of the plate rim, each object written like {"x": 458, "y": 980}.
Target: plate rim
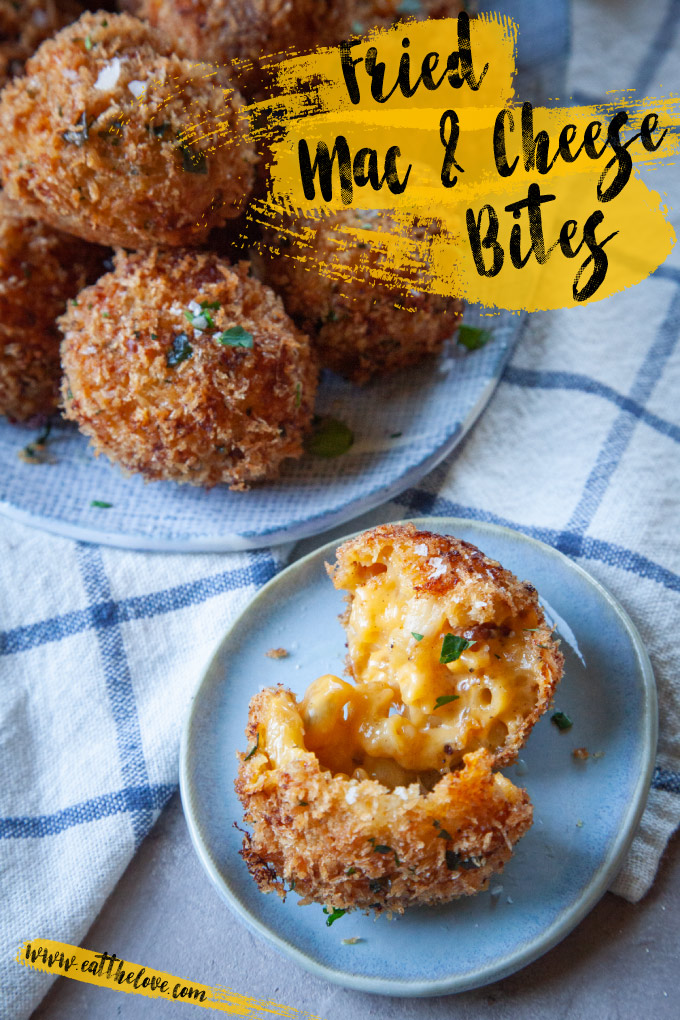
{"x": 315, "y": 525}
{"x": 549, "y": 937}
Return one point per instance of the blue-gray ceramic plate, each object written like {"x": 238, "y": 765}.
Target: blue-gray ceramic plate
{"x": 403, "y": 425}
{"x": 585, "y": 813}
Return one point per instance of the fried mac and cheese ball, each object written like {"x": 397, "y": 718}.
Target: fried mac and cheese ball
{"x": 361, "y": 327}
{"x": 380, "y": 793}
{"x": 240, "y": 33}
{"x": 24, "y": 24}
{"x": 114, "y": 138}
{"x": 182, "y": 367}
{"x": 40, "y": 269}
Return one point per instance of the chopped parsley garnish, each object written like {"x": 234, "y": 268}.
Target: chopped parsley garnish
{"x": 351, "y": 870}
{"x": 254, "y": 748}
{"x": 333, "y": 915}
{"x": 330, "y": 438}
{"x": 530, "y": 630}
{"x": 473, "y": 338}
{"x": 235, "y": 336}
{"x": 36, "y": 452}
{"x": 444, "y": 699}
{"x": 88, "y": 43}
{"x": 380, "y": 848}
{"x": 562, "y": 721}
{"x": 181, "y": 350}
{"x": 298, "y": 394}
{"x": 454, "y": 862}
{"x": 379, "y": 884}
{"x": 453, "y": 647}
{"x": 193, "y": 162}
{"x": 101, "y": 504}
{"x": 418, "y": 637}
{"x": 77, "y": 135}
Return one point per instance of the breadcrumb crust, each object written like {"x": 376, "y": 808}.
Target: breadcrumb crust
{"x": 222, "y": 414}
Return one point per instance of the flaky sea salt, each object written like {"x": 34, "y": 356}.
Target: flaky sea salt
{"x": 108, "y": 76}
{"x": 351, "y": 795}
{"x": 420, "y": 550}
{"x": 437, "y": 567}
{"x": 136, "y": 87}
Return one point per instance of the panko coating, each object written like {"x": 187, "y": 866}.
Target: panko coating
{"x": 80, "y": 149}
{"x": 24, "y": 24}
{"x": 380, "y": 793}
{"x": 40, "y": 269}
{"x": 353, "y": 843}
{"x": 361, "y": 328}
{"x": 240, "y": 32}
{"x": 182, "y": 367}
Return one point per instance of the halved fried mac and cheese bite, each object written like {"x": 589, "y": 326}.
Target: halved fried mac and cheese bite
{"x": 380, "y": 792}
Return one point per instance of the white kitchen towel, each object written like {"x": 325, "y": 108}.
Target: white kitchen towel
{"x": 100, "y": 649}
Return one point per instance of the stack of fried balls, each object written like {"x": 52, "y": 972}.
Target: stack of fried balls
{"x": 129, "y": 130}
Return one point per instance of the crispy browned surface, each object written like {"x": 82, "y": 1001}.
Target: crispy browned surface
{"x": 304, "y": 829}
{"x": 355, "y": 324}
{"x": 466, "y": 583}
{"x": 223, "y": 415}
{"x": 243, "y": 31}
{"x": 24, "y": 24}
{"x": 40, "y": 269}
{"x": 128, "y": 181}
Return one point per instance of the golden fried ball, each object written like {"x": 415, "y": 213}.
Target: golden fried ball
{"x": 353, "y": 843}
{"x": 361, "y": 328}
{"x": 241, "y": 32}
{"x": 380, "y": 793}
{"x": 40, "y": 268}
{"x": 182, "y": 367}
{"x": 82, "y": 151}
{"x": 24, "y": 24}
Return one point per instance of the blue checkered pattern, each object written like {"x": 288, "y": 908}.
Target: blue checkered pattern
{"x": 100, "y": 649}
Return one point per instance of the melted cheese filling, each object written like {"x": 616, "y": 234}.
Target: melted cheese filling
{"x": 390, "y": 725}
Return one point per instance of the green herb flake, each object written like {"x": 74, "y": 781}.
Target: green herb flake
{"x": 181, "y": 350}
{"x": 77, "y": 135}
{"x": 351, "y": 870}
{"x": 194, "y": 162}
{"x": 88, "y": 43}
{"x": 303, "y": 803}
{"x": 453, "y": 647}
{"x": 562, "y": 721}
{"x": 330, "y": 438}
{"x": 444, "y": 699}
{"x": 380, "y": 848}
{"x": 298, "y": 394}
{"x": 530, "y": 630}
{"x": 101, "y": 504}
{"x": 235, "y": 336}
{"x": 36, "y": 452}
{"x": 418, "y": 637}
{"x": 396, "y": 435}
{"x": 473, "y": 338}
{"x": 254, "y": 748}
{"x": 333, "y": 915}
